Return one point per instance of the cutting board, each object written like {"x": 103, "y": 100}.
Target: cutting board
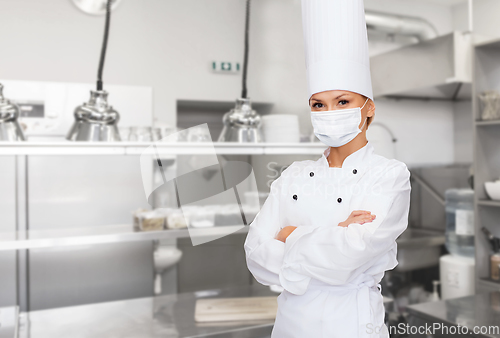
{"x": 230, "y": 309}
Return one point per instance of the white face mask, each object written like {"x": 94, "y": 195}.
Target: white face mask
{"x": 337, "y": 127}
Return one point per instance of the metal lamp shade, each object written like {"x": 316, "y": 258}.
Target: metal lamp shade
{"x": 241, "y": 124}
{"x": 95, "y": 120}
{"x": 9, "y": 126}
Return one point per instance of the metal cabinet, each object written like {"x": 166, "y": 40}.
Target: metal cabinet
{"x": 67, "y": 237}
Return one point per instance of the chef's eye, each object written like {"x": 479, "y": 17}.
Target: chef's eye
{"x": 343, "y": 102}
{"x": 318, "y": 105}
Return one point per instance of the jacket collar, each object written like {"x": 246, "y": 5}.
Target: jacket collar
{"x": 358, "y": 159}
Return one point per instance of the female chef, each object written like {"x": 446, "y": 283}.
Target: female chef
{"x": 327, "y": 232}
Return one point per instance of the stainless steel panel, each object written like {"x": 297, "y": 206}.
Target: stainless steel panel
{"x": 83, "y": 191}
{"x": 166, "y": 316}
{"x": 22, "y": 225}
{"x": 89, "y": 274}
{"x": 7, "y": 193}
{"x": 8, "y": 278}
{"x": 217, "y": 264}
{"x": 86, "y": 191}
{"x": 7, "y": 223}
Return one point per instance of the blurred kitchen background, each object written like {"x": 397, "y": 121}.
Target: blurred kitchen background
{"x": 83, "y": 246}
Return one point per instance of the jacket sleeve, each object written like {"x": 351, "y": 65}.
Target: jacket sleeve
{"x": 335, "y": 254}
{"x": 264, "y": 253}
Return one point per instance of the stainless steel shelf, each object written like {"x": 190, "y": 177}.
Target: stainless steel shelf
{"x": 36, "y": 239}
{"x": 135, "y": 148}
{"x": 485, "y": 123}
{"x": 489, "y": 203}
{"x": 487, "y": 43}
{"x": 489, "y": 283}
{"x": 486, "y": 77}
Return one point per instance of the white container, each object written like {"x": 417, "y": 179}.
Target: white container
{"x": 202, "y": 217}
{"x": 490, "y": 105}
{"x": 135, "y": 218}
{"x": 457, "y": 276}
{"x": 151, "y": 221}
{"x": 493, "y": 190}
{"x": 177, "y": 220}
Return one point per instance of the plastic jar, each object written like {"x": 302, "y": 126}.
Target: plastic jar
{"x": 460, "y": 222}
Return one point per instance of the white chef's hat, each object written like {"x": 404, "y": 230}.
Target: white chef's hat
{"x": 336, "y": 44}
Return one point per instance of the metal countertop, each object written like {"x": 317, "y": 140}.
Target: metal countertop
{"x": 481, "y": 310}
{"x": 163, "y": 316}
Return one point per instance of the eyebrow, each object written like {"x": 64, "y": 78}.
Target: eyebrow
{"x": 338, "y": 97}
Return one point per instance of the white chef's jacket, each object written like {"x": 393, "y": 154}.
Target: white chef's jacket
{"x": 330, "y": 274}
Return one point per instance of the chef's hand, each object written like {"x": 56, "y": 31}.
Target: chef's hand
{"x": 284, "y": 233}
{"x": 358, "y": 216}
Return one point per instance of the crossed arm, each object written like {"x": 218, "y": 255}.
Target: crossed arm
{"x": 357, "y": 216}
{"x": 292, "y": 256}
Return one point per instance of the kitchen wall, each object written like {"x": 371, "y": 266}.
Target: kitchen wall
{"x": 463, "y": 132}
{"x": 164, "y": 44}
{"x": 169, "y": 45}
{"x": 485, "y": 18}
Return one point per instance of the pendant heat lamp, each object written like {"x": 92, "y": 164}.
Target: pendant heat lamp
{"x": 96, "y": 120}
{"x": 242, "y": 123}
{"x": 95, "y": 7}
{"x": 9, "y": 126}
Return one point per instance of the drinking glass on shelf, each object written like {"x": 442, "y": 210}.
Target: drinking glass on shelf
{"x": 157, "y": 134}
{"x": 197, "y": 134}
{"x": 140, "y": 134}
{"x": 182, "y": 135}
{"x": 124, "y": 133}
{"x": 202, "y": 217}
{"x": 167, "y": 134}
